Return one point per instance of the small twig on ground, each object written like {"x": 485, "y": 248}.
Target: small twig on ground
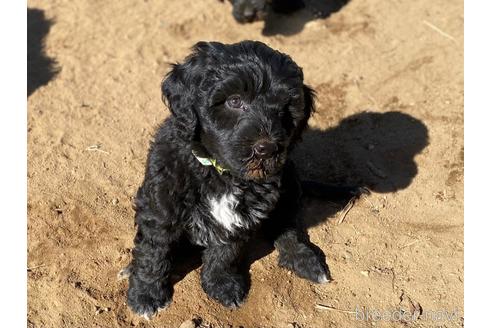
{"x": 367, "y": 95}
{"x": 356, "y": 231}
{"x": 393, "y": 279}
{"x": 346, "y": 209}
{"x": 29, "y": 269}
{"x": 96, "y": 148}
{"x": 413, "y": 242}
{"x": 410, "y": 244}
{"x": 438, "y": 30}
{"x": 331, "y": 308}
{"x": 373, "y": 207}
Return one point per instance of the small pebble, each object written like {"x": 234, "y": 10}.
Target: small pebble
{"x": 100, "y": 310}
{"x": 188, "y": 324}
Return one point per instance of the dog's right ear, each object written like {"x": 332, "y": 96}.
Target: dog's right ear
{"x": 179, "y": 94}
{"x": 181, "y": 88}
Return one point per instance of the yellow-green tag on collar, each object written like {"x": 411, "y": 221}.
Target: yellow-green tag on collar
{"x": 209, "y": 162}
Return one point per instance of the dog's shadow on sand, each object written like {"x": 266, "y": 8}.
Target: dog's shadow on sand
{"x": 369, "y": 149}
{"x": 40, "y": 68}
{"x": 290, "y": 17}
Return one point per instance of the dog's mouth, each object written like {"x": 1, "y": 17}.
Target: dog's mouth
{"x": 260, "y": 169}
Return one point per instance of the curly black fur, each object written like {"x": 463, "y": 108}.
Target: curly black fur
{"x": 246, "y": 11}
{"x": 225, "y": 100}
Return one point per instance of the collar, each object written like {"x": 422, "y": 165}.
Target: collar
{"x": 205, "y": 161}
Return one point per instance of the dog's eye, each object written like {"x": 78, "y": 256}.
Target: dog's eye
{"x": 234, "y": 101}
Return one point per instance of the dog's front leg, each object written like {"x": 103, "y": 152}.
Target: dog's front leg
{"x": 149, "y": 287}
{"x": 299, "y": 255}
{"x": 291, "y": 240}
{"x": 220, "y": 275}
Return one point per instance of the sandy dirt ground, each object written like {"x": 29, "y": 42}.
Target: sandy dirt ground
{"x": 389, "y": 78}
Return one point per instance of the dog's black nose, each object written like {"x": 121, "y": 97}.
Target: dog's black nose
{"x": 265, "y": 149}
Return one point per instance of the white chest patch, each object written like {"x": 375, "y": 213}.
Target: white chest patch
{"x": 224, "y": 211}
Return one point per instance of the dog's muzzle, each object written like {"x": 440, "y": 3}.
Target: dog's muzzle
{"x": 267, "y": 158}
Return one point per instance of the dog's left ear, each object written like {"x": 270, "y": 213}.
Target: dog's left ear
{"x": 309, "y": 97}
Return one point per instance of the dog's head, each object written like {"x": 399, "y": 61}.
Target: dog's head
{"x": 246, "y": 11}
{"x": 245, "y": 104}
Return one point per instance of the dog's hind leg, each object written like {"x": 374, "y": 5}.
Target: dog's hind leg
{"x": 149, "y": 287}
{"x": 221, "y": 277}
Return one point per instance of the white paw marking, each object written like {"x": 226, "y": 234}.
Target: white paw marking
{"x": 147, "y": 316}
{"x": 322, "y": 279}
{"x": 150, "y": 315}
{"x": 224, "y": 211}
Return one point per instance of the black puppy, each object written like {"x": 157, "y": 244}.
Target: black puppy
{"x": 218, "y": 169}
{"x": 245, "y": 11}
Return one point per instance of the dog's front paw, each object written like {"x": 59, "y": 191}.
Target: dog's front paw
{"x": 147, "y": 299}
{"x": 306, "y": 264}
{"x": 228, "y": 289}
